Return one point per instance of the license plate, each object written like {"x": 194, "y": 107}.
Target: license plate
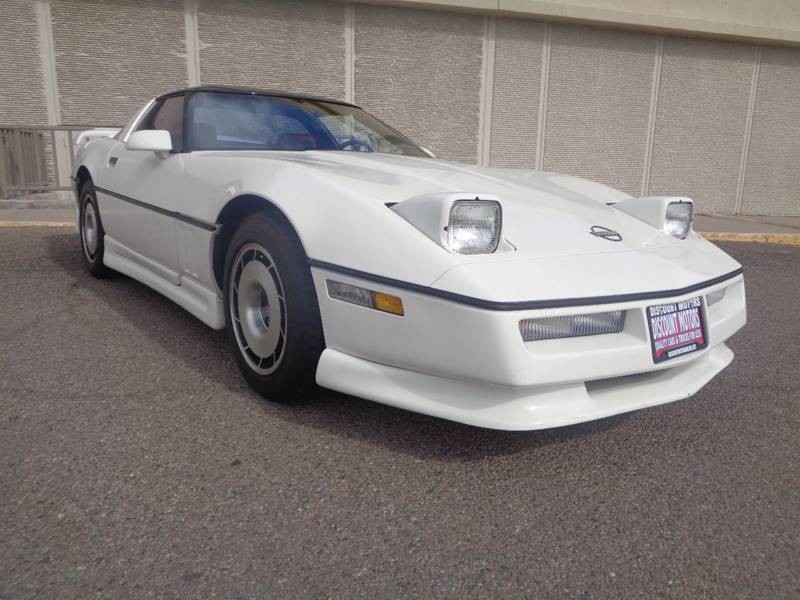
{"x": 676, "y": 328}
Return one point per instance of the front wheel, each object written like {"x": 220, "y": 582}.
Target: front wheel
{"x": 271, "y": 312}
{"x": 91, "y": 232}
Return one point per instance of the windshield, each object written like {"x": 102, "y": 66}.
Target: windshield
{"x": 227, "y": 121}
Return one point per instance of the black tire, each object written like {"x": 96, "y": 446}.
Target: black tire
{"x": 92, "y": 237}
{"x": 265, "y": 259}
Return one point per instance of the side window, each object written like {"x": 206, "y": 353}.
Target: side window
{"x": 168, "y": 114}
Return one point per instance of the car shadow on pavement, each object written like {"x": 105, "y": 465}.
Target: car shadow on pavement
{"x": 425, "y": 437}
{"x": 206, "y": 353}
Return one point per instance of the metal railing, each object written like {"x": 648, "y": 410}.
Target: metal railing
{"x": 38, "y": 158}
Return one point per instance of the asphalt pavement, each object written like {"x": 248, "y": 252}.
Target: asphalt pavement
{"x": 135, "y": 462}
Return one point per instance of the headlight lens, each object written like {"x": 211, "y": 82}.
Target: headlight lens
{"x": 474, "y": 226}
{"x": 678, "y": 219}
{"x": 552, "y": 328}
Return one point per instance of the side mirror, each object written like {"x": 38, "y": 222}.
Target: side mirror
{"x": 152, "y": 140}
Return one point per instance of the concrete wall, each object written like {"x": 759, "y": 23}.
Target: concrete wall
{"x": 598, "y": 104}
{"x": 701, "y": 119}
{"x": 109, "y": 56}
{"x": 280, "y": 44}
{"x": 644, "y": 111}
{"x": 421, "y": 71}
{"x": 768, "y": 20}
{"x": 22, "y": 97}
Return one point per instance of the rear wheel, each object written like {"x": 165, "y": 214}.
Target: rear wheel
{"x": 271, "y": 311}
{"x": 91, "y": 232}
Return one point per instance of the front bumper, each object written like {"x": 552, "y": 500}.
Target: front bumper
{"x": 471, "y": 365}
{"x": 513, "y": 408}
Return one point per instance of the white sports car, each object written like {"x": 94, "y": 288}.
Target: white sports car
{"x": 333, "y": 249}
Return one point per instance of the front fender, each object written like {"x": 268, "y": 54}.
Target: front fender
{"x": 336, "y": 224}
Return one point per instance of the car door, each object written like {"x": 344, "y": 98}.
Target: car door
{"x": 139, "y": 191}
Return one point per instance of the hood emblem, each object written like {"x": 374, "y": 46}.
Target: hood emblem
{"x": 605, "y": 233}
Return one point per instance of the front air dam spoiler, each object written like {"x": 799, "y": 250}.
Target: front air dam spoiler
{"x": 517, "y": 408}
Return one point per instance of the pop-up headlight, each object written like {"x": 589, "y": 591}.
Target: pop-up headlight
{"x": 678, "y": 219}
{"x": 461, "y": 222}
{"x": 474, "y": 226}
{"x": 671, "y": 214}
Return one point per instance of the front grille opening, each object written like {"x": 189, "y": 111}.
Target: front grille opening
{"x": 598, "y": 385}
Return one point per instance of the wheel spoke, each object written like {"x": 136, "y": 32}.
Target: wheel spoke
{"x": 257, "y": 309}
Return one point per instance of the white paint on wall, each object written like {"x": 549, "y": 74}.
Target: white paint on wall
{"x": 487, "y": 91}
{"x": 545, "y": 78}
{"x": 349, "y": 53}
{"x": 44, "y": 22}
{"x": 61, "y": 141}
{"x": 193, "y": 73}
{"x": 748, "y": 128}
{"x": 651, "y": 123}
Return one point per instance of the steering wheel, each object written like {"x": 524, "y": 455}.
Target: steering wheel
{"x": 356, "y": 144}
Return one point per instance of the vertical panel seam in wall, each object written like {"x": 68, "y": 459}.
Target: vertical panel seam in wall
{"x": 349, "y": 53}
{"x": 748, "y": 127}
{"x": 44, "y": 22}
{"x": 487, "y": 91}
{"x": 61, "y": 151}
{"x": 651, "y": 120}
{"x": 544, "y": 84}
{"x": 192, "y": 42}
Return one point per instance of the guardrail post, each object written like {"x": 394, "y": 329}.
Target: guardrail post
{"x": 64, "y": 140}
{"x": 41, "y": 160}
{"x": 3, "y": 149}
{"x": 54, "y": 152}
{"x": 24, "y": 144}
{"x": 17, "y": 175}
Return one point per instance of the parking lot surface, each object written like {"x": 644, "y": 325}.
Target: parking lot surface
{"x": 135, "y": 462}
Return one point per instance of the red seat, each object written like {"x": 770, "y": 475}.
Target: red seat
{"x": 296, "y": 141}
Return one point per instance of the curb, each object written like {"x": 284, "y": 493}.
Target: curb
{"x": 786, "y": 239}
{"x": 12, "y": 224}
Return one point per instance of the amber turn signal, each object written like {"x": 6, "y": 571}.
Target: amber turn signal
{"x": 364, "y": 297}
{"x": 388, "y": 303}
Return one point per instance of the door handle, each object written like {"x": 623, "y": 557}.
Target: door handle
{"x": 112, "y": 161}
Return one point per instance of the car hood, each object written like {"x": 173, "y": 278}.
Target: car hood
{"x": 547, "y": 220}
{"x": 544, "y": 214}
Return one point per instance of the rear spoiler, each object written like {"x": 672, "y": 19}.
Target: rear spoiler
{"x": 84, "y": 137}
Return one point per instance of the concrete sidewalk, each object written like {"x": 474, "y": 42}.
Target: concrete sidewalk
{"x": 21, "y": 217}
{"x": 740, "y": 228}
{"x": 775, "y": 230}
{"x": 746, "y": 224}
